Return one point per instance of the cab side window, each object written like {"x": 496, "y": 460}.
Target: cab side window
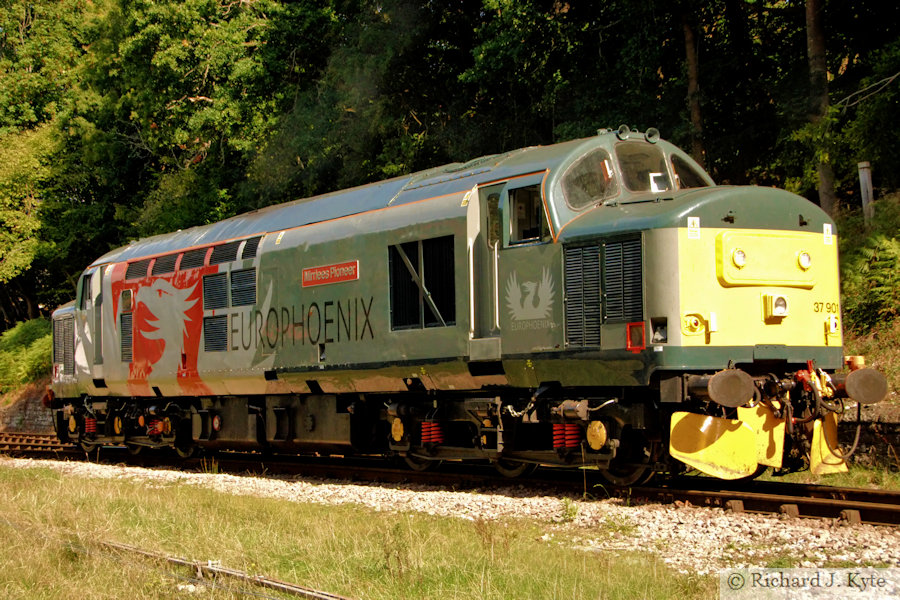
{"x": 527, "y": 221}
{"x": 85, "y": 299}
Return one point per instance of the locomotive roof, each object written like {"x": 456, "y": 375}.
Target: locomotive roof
{"x": 431, "y": 183}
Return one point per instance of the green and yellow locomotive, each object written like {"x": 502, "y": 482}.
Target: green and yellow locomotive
{"x": 597, "y": 302}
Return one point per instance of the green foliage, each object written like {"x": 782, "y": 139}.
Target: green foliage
{"x": 25, "y": 353}
{"x": 40, "y": 46}
{"x": 869, "y": 267}
{"x": 23, "y": 181}
{"x": 872, "y": 292}
{"x": 126, "y": 118}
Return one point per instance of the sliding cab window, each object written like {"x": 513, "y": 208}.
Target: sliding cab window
{"x": 527, "y": 219}
{"x": 423, "y": 292}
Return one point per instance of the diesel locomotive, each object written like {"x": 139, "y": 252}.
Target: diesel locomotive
{"x": 595, "y": 303}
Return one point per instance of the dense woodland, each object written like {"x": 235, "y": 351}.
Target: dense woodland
{"x": 125, "y": 118}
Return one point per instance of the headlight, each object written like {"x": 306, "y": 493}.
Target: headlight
{"x": 739, "y": 258}
{"x": 804, "y": 260}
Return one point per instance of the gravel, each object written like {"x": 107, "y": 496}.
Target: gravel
{"x": 689, "y": 539}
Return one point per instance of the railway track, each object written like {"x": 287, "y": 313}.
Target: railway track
{"x": 852, "y": 505}
{"x": 32, "y": 443}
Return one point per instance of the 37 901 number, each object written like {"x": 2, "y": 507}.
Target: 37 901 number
{"x": 828, "y": 307}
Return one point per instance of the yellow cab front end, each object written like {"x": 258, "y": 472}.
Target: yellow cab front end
{"x": 753, "y": 325}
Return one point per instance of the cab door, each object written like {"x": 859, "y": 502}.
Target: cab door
{"x": 89, "y": 336}
{"x": 529, "y": 277}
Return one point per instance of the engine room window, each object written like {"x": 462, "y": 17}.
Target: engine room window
{"x": 643, "y": 167}
{"x": 423, "y": 287}
{"x": 686, "y": 176}
{"x": 590, "y": 180}
{"x": 527, "y": 222}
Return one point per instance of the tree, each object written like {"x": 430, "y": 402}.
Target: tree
{"x": 818, "y": 97}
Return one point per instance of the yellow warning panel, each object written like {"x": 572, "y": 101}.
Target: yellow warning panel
{"x": 769, "y": 433}
{"x": 824, "y": 455}
{"x": 723, "y": 448}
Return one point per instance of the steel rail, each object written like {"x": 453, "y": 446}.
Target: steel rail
{"x": 16, "y": 442}
{"x": 214, "y": 569}
{"x": 852, "y": 505}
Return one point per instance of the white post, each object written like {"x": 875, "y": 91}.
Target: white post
{"x": 865, "y": 188}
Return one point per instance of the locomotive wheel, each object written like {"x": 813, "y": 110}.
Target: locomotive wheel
{"x": 185, "y": 451}
{"x": 624, "y": 475}
{"x": 420, "y": 464}
{"x": 626, "y": 469}
{"x": 133, "y": 449}
{"x": 513, "y": 468}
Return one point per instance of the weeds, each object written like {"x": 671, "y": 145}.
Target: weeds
{"x": 569, "y": 510}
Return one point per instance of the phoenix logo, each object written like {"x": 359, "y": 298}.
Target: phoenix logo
{"x": 166, "y": 320}
{"x": 537, "y": 301}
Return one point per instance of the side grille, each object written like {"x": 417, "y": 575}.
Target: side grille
{"x": 250, "y": 247}
{"x": 224, "y": 253}
{"x": 622, "y": 281}
{"x": 193, "y": 258}
{"x": 243, "y": 287}
{"x": 215, "y": 333}
{"x": 165, "y": 264}
{"x": 64, "y": 344}
{"x": 125, "y": 336}
{"x": 583, "y": 308}
{"x": 138, "y": 269}
{"x": 215, "y": 291}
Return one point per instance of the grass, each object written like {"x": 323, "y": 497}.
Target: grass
{"x": 857, "y": 477}
{"x": 51, "y": 525}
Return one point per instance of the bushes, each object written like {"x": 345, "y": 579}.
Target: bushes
{"x": 25, "y": 353}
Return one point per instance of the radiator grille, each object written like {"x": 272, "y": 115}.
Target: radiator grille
{"x": 64, "y": 344}
{"x": 583, "y": 308}
{"x": 215, "y": 333}
{"x": 622, "y": 281}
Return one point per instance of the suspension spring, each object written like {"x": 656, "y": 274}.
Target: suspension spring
{"x": 559, "y": 435}
{"x": 90, "y": 425}
{"x": 432, "y": 433}
{"x": 573, "y": 435}
{"x": 567, "y": 435}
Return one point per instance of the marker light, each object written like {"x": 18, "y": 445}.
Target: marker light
{"x": 776, "y": 307}
{"x": 804, "y": 260}
{"x": 780, "y": 306}
{"x": 739, "y": 258}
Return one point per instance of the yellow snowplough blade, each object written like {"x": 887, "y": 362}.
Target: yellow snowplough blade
{"x": 723, "y": 448}
{"x": 769, "y": 434}
{"x": 824, "y": 455}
